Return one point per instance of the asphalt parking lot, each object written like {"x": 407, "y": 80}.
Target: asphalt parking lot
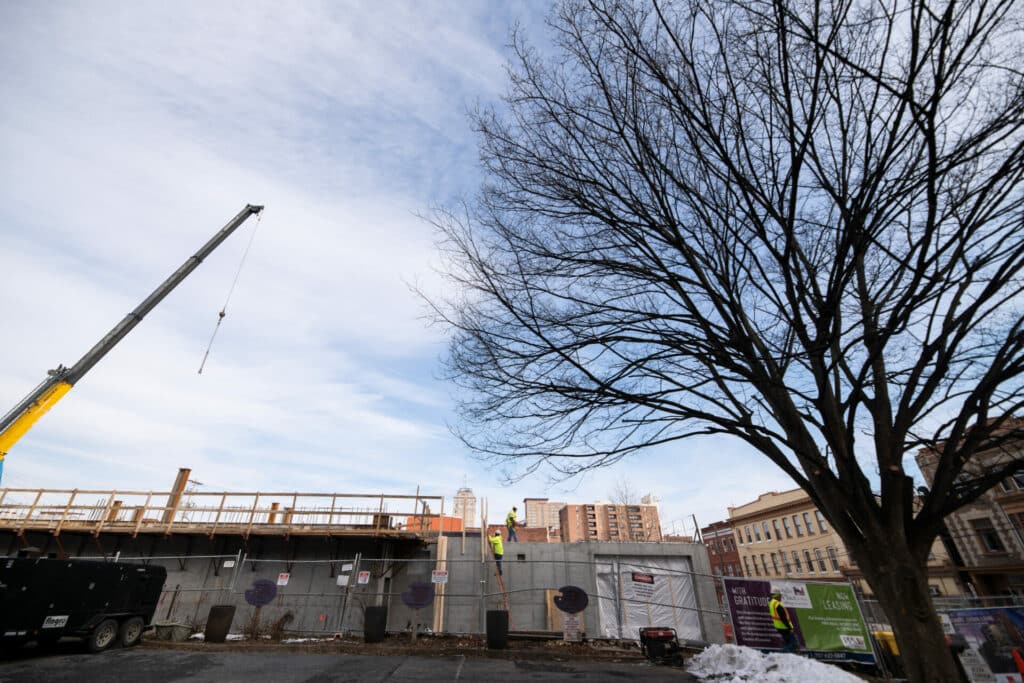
{"x": 71, "y": 664}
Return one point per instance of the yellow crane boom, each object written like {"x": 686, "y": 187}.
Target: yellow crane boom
{"x": 58, "y": 382}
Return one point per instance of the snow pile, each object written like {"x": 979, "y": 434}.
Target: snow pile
{"x": 735, "y": 664}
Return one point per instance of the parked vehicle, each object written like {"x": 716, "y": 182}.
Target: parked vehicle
{"x": 46, "y": 599}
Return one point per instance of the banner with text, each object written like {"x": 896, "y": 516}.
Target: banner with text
{"x": 826, "y": 618}
{"x": 991, "y": 634}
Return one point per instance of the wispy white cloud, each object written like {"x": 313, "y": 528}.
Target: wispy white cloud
{"x": 132, "y": 131}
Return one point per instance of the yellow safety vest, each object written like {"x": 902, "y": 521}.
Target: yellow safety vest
{"x": 773, "y": 609}
{"x": 511, "y": 519}
{"x": 499, "y": 549}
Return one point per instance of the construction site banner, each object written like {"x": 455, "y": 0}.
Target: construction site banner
{"x": 991, "y": 633}
{"x": 826, "y": 618}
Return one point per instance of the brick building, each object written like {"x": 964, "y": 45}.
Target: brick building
{"x": 605, "y": 521}
{"x": 988, "y": 534}
{"x": 541, "y": 512}
{"x": 784, "y": 535}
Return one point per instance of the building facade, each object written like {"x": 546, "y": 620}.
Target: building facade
{"x": 606, "y": 521}
{"x": 723, "y": 555}
{"x": 988, "y": 534}
{"x": 784, "y": 535}
{"x": 722, "y": 551}
{"x": 541, "y": 512}
{"x": 464, "y": 507}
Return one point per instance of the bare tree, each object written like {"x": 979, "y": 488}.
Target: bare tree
{"x": 793, "y": 222}
{"x": 624, "y": 493}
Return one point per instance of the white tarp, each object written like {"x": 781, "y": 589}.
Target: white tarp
{"x": 634, "y": 592}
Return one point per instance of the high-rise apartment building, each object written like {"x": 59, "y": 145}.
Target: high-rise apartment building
{"x": 606, "y": 521}
{"x": 465, "y": 507}
{"x": 541, "y": 512}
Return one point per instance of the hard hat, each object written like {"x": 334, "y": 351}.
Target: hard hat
{"x": 776, "y": 594}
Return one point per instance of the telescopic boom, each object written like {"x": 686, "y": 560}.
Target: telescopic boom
{"x": 58, "y": 382}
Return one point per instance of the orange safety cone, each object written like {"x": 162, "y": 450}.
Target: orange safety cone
{"x": 1018, "y": 660}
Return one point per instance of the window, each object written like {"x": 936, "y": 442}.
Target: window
{"x": 1018, "y": 522}
{"x": 746, "y": 530}
{"x": 987, "y": 534}
{"x": 934, "y": 590}
{"x": 821, "y": 521}
{"x": 757, "y": 534}
{"x": 785, "y": 562}
{"x": 810, "y": 564}
{"x": 807, "y": 521}
{"x": 778, "y": 531}
{"x": 1018, "y": 479}
{"x": 1007, "y": 485}
{"x": 739, "y": 537}
{"x": 757, "y": 572}
{"x": 785, "y": 523}
{"x": 832, "y": 558}
{"x": 796, "y": 563}
{"x": 767, "y": 534}
{"x": 775, "y": 563}
{"x": 821, "y": 560}
{"x": 799, "y": 528}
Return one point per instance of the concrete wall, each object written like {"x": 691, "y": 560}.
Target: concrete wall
{"x": 198, "y": 578}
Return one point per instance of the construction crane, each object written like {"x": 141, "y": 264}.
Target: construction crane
{"x": 58, "y": 382}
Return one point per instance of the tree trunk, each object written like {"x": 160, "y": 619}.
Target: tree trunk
{"x": 900, "y": 583}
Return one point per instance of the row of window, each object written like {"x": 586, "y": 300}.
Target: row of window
{"x": 724, "y": 545}
{"x": 800, "y": 522}
{"x": 792, "y": 563}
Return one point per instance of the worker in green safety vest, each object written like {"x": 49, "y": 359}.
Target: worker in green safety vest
{"x": 510, "y": 522}
{"x": 497, "y": 547}
{"x": 782, "y": 623}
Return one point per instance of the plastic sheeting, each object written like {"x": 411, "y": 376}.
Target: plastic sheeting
{"x": 634, "y": 592}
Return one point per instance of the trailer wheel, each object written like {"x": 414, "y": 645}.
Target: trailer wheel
{"x": 130, "y": 632}
{"x": 103, "y": 636}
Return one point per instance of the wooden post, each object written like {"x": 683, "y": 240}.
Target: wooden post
{"x": 216, "y": 522}
{"x": 28, "y": 516}
{"x": 105, "y": 515}
{"x": 67, "y": 509}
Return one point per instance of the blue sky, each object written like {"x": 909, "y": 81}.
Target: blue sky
{"x": 131, "y": 132}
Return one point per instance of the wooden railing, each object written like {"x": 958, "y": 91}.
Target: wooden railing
{"x": 134, "y": 512}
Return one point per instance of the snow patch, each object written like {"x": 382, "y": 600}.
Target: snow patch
{"x": 736, "y": 664}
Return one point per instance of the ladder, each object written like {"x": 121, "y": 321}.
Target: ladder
{"x": 501, "y": 585}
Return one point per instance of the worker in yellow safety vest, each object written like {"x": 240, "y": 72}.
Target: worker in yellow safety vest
{"x": 510, "y": 522}
{"x": 782, "y": 622}
{"x": 497, "y": 547}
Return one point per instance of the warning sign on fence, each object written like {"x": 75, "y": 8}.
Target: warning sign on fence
{"x": 364, "y": 577}
{"x": 439, "y": 576}
{"x": 282, "y": 578}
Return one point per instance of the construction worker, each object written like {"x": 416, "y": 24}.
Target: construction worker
{"x": 510, "y": 522}
{"x": 782, "y": 623}
{"x": 497, "y": 547}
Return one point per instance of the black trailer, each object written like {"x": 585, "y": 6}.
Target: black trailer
{"x": 46, "y": 599}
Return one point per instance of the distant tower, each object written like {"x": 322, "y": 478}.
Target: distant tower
{"x": 465, "y": 506}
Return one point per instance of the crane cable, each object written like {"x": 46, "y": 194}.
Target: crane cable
{"x": 224, "y": 309}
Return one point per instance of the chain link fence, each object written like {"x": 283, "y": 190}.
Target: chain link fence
{"x": 322, "y": 598}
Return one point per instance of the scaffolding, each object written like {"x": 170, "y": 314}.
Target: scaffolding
{"x": 220, "y": 513}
